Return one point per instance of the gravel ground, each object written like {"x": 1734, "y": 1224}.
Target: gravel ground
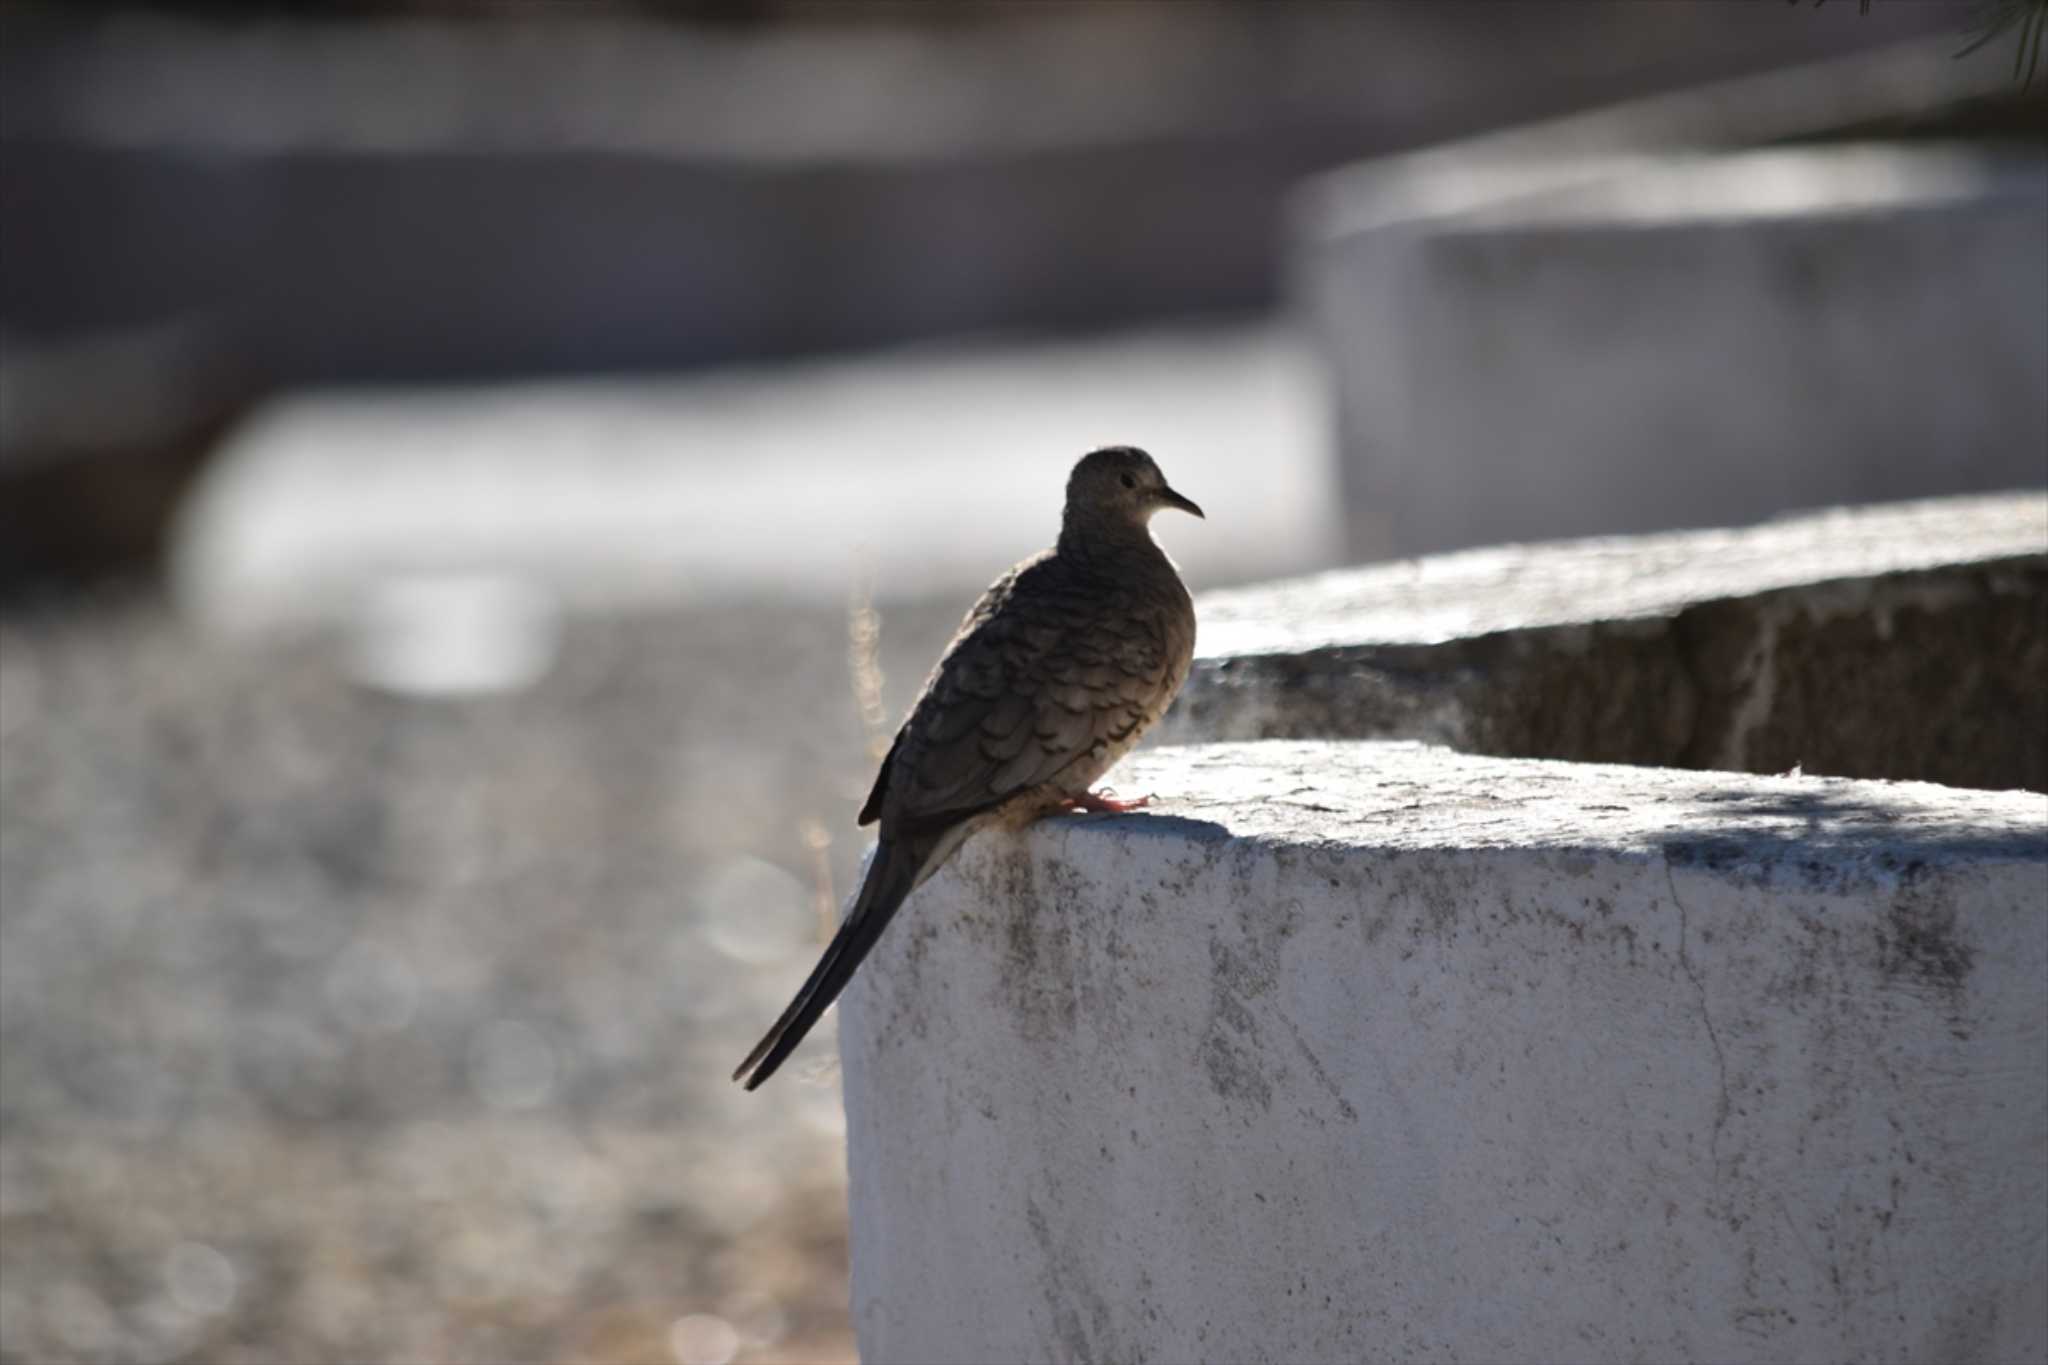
{"x": 342, "y": 1025}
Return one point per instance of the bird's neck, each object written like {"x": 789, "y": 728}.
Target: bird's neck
{"x": 1088, "y": 540}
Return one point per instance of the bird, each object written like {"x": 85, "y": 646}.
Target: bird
{"x": 1056, "y": 672}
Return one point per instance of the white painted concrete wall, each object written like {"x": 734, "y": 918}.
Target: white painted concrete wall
{"x": 1615, "y": 344}
{"x": 1366, "y": 1051}
{"x": 1801, "y": 641}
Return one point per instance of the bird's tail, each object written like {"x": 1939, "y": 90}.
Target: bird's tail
{"x": 891, "y": 875}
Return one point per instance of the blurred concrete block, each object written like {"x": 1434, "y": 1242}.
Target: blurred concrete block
{"x": 1608, "y": 341}
{"x": 1362, "y": 1051}
{"x": 1904, "y": 641}
{"x": 879, "y": 472}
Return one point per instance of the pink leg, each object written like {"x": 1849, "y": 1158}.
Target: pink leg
{"x": 1104, "y": 802}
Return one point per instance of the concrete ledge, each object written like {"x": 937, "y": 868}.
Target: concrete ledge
{"x": 1367, "y": 1051}
{"x": 1902, "y": 641}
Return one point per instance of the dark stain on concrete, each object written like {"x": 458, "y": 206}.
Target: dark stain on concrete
{"x": 1919, "y": 938}
{"x": 1081, "y": 1319}
{"x": 1231, "y": 1051}
{"x": 1037, "y": 974}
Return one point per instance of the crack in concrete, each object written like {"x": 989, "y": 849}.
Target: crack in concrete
{"x": 1722, "y": 1106}
{"x": 1315, "y": 1066}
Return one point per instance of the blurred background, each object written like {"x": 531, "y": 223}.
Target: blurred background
{"x": 478, "y": 484}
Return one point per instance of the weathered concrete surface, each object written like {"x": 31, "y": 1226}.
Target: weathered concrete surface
{"x": 1903, "y": 641}
{"x": 1586, "y": 343}
{"x": 1363, "y": 1051}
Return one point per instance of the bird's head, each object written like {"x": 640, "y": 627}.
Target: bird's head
{"x": 1119, "y": 486}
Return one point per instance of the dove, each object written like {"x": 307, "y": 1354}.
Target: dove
{"x": 1059, "y": 669}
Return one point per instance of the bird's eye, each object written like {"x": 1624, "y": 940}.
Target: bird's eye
{"x": 1130, "y": 481}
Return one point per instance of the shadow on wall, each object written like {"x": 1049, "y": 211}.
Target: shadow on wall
{"x": 1928, "y": 675}
{"x": 1740, "y": 826}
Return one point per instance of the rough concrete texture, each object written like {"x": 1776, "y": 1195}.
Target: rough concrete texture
{"x": 1903, "y": 641}
{"x": 1607, "y": 343}
{"x": 1375, "y": 1051}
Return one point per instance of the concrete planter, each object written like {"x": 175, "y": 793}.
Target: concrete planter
{"x": 1622, "y": 343}
{"x": 1363, "y": 1051}
{"x": 1896, "y": 641}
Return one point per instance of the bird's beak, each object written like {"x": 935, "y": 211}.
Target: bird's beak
{"x": 1169, "y": 498}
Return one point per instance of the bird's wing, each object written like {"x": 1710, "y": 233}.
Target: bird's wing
{"x": 1049, "y": 669}
{"x": 871, "y": 809}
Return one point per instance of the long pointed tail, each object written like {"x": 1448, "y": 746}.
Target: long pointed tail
{"x": 891, "y": 875}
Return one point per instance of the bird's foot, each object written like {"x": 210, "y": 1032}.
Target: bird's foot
{"x": 1105, "y": 802}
